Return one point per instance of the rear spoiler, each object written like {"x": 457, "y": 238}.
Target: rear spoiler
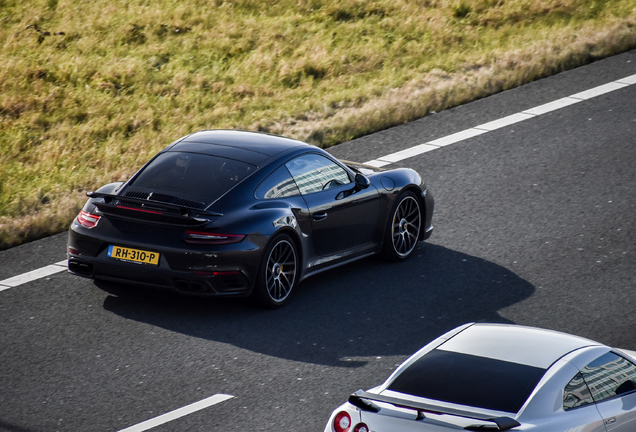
{"x": 364, "y": 401}
{"x": 157, "y": 211}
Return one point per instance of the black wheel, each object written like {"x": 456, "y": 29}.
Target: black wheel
{"x": 403, "y": 228}
{"x": 278, "y": 273}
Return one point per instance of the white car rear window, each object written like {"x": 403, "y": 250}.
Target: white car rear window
{"x": 469, "y": 380}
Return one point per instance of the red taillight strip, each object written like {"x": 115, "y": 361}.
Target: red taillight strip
{"x": 88, "y": 220}
{"x": 212, "y": 238}
{"x": 215, "y": 273}
{"x": 139, "y": 209}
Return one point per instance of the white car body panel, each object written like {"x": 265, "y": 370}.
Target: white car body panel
{"x": 515, "y": 344}
{"x": 619, "y": 414}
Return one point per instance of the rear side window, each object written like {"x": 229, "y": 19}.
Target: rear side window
{"x": 469, "y": 380}
{"x": 278, "y": 184}
{"x": 576, "y": 393}
{"x": 610, "y": 375}
{"x": 192, "y": 175}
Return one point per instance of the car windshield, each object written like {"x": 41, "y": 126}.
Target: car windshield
{"x": 192, "y": 175}
{"x": 469, "y": 380}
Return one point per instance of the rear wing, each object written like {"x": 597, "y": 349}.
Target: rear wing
{"x": 364, "y": 401}
{"x": 152, "y": 210}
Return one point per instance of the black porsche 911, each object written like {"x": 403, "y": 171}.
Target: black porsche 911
{"x": 227, "y": 212}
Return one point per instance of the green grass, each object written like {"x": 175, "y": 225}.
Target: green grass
{"x": 89, "y": 90}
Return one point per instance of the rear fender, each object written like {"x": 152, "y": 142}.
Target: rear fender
{"x": 110, "y": 188}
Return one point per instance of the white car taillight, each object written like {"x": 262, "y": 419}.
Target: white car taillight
{"x": 342, "y": 422}
{"x": 361, "y": 427}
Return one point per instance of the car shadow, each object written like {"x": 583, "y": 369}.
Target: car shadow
{"x": 344, "y": 316}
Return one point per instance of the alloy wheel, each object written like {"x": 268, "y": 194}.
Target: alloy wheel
{"x": 405, "y": 227}
{"x": 281, "y": 271}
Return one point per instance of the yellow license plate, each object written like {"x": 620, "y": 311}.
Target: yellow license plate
{"x": 134, "y": 255}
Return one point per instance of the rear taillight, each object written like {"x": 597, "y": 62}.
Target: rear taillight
{"x": 212, "y": 238}
{"x": 361, "y": 427}
{"x": 88, "y": 220}
{"x": 139, "y": 209}
{"x": 342, "y": 422}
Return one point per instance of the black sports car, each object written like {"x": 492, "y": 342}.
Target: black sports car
{"x": 227, "y": 212}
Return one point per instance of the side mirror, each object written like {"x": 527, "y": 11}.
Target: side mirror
{"x": 362, "y": 182}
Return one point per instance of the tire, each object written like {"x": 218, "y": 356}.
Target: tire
{"x": 278, "y": 273}
{"x": 403, "y": 228}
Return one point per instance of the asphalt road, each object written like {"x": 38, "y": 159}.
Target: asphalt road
{"x": 534, "y": 225}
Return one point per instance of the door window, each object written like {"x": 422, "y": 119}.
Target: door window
{"x": 609, "y": 375}
{"x": 314, "y": 173}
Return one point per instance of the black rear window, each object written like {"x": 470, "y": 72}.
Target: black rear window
{"x": 192, "y": 175}
{"x": 469, "y": 380}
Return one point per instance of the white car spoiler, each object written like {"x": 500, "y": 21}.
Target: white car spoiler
{"x": 364, "y": 401}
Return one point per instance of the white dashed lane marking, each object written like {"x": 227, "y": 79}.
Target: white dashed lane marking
{"x": 503, "y": 122}
{"x": 33, "y": 275}
{"x": 181, "y": 412}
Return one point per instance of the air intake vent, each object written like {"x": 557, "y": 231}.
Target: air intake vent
{"x": 189, "y": 203}
{"x": 134, "y": 194}
{"x": 133, "y": 204}
{"x": 165, "y": 198}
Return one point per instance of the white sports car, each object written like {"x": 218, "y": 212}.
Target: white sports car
{"x": 500, "y": 377}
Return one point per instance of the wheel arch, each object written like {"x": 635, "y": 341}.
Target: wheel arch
{"x": 417, "y": 191}
{"x": 260, "y": 292}
{"x": 388, "y": 250}
{"x": 295, "y": 236}
{"x": 405, "y": 179}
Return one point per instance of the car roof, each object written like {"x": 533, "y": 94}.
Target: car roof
{"x": 251, "y": 147}
{"x": 516, "y": 344}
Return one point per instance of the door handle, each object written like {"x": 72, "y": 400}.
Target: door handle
{"x": 610, "y": 420}
{"x": 320, "y": 216}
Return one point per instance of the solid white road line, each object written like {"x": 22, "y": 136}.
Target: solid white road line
{"x": 552, "y": 106}
{"x": 181, "y": 412}
{"x": 33, "y": 275}
{"x": 409, "y": 152}
{"x": 502, "y": 122}
{"x": 505, "y": 121}
{"x": 627, "y": 80}
{"x": 600, "y": 90}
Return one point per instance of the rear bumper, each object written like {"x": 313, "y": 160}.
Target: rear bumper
{"x": 227, "y": 270}
{"x": 218, "y": 283}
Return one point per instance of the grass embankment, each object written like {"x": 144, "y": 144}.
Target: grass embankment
{"x": 91, "y": 89}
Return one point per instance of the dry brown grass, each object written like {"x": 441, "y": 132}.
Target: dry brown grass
{"x": 440, "y": 90}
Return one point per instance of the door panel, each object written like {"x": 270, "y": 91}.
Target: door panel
{"x": 340, "y": 222}
{"x": 611, "y": 379}
{"x": 582, "y": 419}
{"x": 619, "y": 414}
{"x": 342, "y": 218}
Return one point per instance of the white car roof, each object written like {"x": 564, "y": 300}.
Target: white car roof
{"x": 516, "y": 344}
